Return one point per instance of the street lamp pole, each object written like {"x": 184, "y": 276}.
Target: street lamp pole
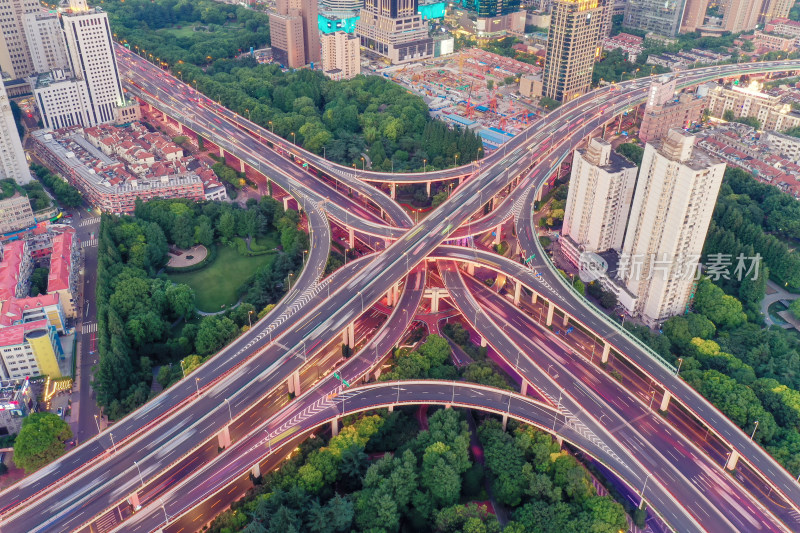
{"x": 641, "y": 494}
{"x": 197, "y": 386}
{"x": 183, "y": 369}
{"x": 754, "y": 430}
{"x": 140, "y": 473}
{"x": 680, "y": 362}
{"x": 230, "y": 412}
{"x": 294, "y": 138}
{"x": 112, "y": 442}
{"x": 249, "y": 322}
{"x": 98, "y": 424}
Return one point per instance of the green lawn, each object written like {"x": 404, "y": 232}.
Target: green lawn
{"x": 217, "y": 285}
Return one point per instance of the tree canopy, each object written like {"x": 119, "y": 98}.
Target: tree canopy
{"x": 40, "y": 441}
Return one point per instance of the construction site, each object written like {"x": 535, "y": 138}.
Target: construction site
{"x": 473, "y": 89}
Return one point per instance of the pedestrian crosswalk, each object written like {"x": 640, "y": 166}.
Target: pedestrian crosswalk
{"x": 89, "y": 243}
{"x": 90, "y": 221}
{"x": 89, "y": 328}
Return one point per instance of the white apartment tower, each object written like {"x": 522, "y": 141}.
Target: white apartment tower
{"x": 341, "y": 55}
{"x": 672, "y": 207}
{"x": 599, "y": 199}
{"x": 45, "y": 41}
{"x": 15, "y": 56}
{"x": 91, "y": 55}
{"x": 12, "y": 157}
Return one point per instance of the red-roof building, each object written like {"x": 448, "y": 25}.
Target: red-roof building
{"x": 15, "y": 268}
{"x": 63, "y": 263}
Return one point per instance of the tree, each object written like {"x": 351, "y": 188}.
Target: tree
{"x": 794, "y": 307}
{"x": 723, "y": 310}
{"x": 40, "y": 441}
{"x": 39, "y": 281}
{"x": 181, "y": 300}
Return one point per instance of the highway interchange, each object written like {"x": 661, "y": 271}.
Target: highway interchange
{"x": 97, "y": 476}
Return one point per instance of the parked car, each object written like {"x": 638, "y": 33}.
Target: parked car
{"x": 60, "y": 411}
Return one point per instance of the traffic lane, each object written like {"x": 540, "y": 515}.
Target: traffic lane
{"x": 180, "y": 392}
{"x": 767, "y": 467}
{"x": 359, "y": 399}
{"x": 356, "y": 366}
{"x": 516, "y": 355}
{"x": 583, "y": 380}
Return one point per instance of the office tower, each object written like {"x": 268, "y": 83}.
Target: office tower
{"x": 599, "y": 199}
{"x": 342, "y": 5}
{"x": 395, "y": 30}
{"x": 571, "y": 48}
{"x": 670, "y": 214}
{"x": 12, "y": 158}
{"x": 45, "y": 41}
{"x": 92, "y": 60}
{"x": 63, "y": 101}
{"x": 663, "y": 111}
{"x": 694, "y": 15}
{"x": 490, "y": 8}
{"x": 15, "y": 56}
{"x": 295, "y": 36}
{"x": 775, "y": 9}
{"x": 741, "y": 15}
{"x": 662, "y": 17}
{"x": 341, "y": 56}
{"x": 286, "y": 34}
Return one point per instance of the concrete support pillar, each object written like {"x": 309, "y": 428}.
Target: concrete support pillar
{"x": 483, "y": 342}
{"x": 550, "y": 309}
{"x": 389, "y": 295}
{"x": 428, "y": 187}
{"x": 241, "y": 166}
{"x": 517, "y": 292}
{"x": 221, "y": 153}
{"x": 505, "y": 422}
{"x": 665, "y": 400}
{"x": 534, "y": 297}
{"x": 733, "y": 460}
{"x": 391, "y": 408}
{"x": 435, "y": 301}
{"x": 335, "y": 427}
{"x": 471, "y": 269}
{"x": 539, "y": 194}
{"x": 377, "y": 373}
{"x": 560, "y": 441}
{"x": 133, "y": 499}
{"x": 606, "y": 351}
{"x": 295, "y": 383}
{"x": 523, "y": 388}
{"x": 393, "y": 190}
{"x": 224, "y": 437}
{"x": 351, "y": 333}
{"x": 256, "y": 470}
{"x": 396, "y": 292}
{"x": 566, "y": 319}
{"x": 286, "y": 203}
{"x": 498, "y": 234}
{"x": 352, "y": 238}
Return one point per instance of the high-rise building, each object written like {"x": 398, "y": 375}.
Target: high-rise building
{"x": 694, "y": 15}
{"x": 662, "y": 17}
{"x": 572, "y": 45}
{"x": 286, "y": 35}
{"x": 342, "y": 5}
{"x": 775, "y": 9}
{"x": 608, "y": 14}
{"x": 599, "y": 199}
{"x": 395, "y": 30}
{"x": 12, "y": 157}
{"x": 92, "y": 59}
{"x": 490, "y": 8}
{"x": 293, "y": 42}
{"x": 742, "y": 15}
{"x": 15, "y": 214}
{"x": 62, "y": 100}
{"x": 341, "y": 56}
{"x": 15, "y": 56}
{"x": 45, "y": 41}
{"x": 663, "y": 111}
{"x": 671, "y": 211}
